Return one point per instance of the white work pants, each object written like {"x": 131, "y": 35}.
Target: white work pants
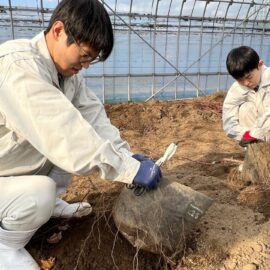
{"x": 26, "y": 203}
{"x": 61, "y": 178}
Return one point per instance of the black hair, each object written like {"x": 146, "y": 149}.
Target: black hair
{"x": 241, "y": 61}
{"x": 85, "y": 21}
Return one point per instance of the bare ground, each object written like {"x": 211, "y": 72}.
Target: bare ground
{"x": 234, "y": 233}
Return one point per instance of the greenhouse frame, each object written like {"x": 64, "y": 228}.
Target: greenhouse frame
{"x": 164, "y": 49}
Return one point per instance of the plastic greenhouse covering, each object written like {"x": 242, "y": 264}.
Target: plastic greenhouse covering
{"x": 167, "y": 49}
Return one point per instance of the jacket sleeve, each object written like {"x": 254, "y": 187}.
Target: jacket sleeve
{"x": 39, "y": 112}
{"x": 94, "y": 113}
{"x": 236, "y": 96}
{"x": 262, "y": 124}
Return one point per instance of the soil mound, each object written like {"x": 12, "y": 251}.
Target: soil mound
{"x": 233, "y": 234}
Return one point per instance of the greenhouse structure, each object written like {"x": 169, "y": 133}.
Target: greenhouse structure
{"x": 164, "y": 49}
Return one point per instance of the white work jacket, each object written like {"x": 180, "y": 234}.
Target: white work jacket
{"x": 42, "y": 124}
{"x": 237, "y": 95}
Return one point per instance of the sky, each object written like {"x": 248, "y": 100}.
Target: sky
{"x": 214, "y": 8}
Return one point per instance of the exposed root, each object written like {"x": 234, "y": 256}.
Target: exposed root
{"x": 114, "y": 241}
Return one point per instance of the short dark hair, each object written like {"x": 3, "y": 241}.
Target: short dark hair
{"x": 241, "y": 61}
{"x": 86, "y": 21}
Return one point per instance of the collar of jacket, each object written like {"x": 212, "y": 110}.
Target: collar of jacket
{"x": 39, "y": 42}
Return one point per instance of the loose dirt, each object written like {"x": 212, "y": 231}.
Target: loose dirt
{"x": 234, "y": 234}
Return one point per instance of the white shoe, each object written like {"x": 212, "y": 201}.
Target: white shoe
{"x": 12, "y": 259}
{"x": 74, "y": 210}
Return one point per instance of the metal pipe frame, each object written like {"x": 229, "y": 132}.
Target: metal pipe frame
{"x": 248, "y": 20}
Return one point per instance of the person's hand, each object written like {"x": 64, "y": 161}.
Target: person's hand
{"x": 148, "y": 175}
{"x": 247, "y": 139}
{"x": 140, "y": 157}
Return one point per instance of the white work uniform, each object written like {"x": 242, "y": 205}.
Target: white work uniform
{"x": 245, "y": 109}
{"x": 44, "y": 125}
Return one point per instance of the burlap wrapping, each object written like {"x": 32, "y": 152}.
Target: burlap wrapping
{"x": 159, "y": 220}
